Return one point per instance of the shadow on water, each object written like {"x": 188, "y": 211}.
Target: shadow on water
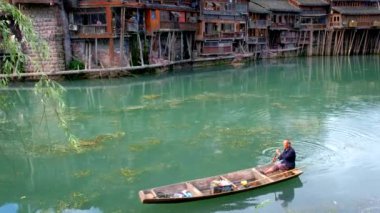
{"x": 282, "y": 193}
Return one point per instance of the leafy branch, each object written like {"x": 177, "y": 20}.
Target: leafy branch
{"x": 17, "y": 34}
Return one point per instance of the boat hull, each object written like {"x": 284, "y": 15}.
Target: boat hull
{"x": 199, "y": 187}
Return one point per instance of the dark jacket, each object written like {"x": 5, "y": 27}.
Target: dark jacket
{"x": 288, "y": 157}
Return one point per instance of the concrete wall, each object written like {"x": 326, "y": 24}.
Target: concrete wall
{"x": 47, "y": 22}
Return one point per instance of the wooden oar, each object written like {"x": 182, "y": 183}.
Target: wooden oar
{"x": 274, "y": 158}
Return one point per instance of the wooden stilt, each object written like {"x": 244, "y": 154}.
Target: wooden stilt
{"x": 360, "y": 43}
{"x": 365, "y": 43}
{"x": 141, "y": 50}
{"x": 89, "y": 55}
{"x": 151, "y": 49}
{"x": 188, "y": 45}
{"x": 318, "y": 42}
{"x": 181, "y": 45}
{"x": 335, "y": 43}
{"x": 311, "y": 38}
{"x": 342, "y": 43}
{"x": 172, "y": 46}
{"x": 377, "y": 43}
{"x": 159, "y": 45}
{"x": 323, "y": 42}
{"x": 191, "y": 46}
{"x": 122, "y": 31}
{"x": 166, "y": 50}
{"x": 96, "y": 51}
{"x": 352, "y": 42}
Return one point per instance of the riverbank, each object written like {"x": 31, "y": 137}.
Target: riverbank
{"x": 132, "y": 71}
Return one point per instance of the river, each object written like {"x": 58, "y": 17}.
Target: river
{"x": 137, "y": 133}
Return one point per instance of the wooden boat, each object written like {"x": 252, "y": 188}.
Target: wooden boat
{"x": 215, "y": 186}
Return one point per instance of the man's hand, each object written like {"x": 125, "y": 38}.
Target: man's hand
{"x": 278, "y": 152}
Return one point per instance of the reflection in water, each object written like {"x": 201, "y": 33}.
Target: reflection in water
{"x": 263, "y": 198}
{"x": 190, "y": 125}
{"x": 9, "y": 208}
{"x": 286, "y": 194}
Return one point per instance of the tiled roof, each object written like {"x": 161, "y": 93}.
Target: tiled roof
{"x": 313, "y": 3}
{"x": 357, "y": 10}
{"x": 254, "y": 8}
{"x": 277, "y": 5}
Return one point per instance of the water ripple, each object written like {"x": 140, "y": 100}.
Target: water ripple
{"x": 310, "y": 152}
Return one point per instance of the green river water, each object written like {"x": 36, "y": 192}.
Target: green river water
{"x": 138, "y": 133}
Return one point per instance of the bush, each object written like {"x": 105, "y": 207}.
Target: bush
{"x": 76, "y": 65}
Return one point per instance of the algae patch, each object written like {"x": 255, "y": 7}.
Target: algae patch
{"x": 81, "y": 174}
{"x": 129, "y": 174}
{"x": 145, "y": 145}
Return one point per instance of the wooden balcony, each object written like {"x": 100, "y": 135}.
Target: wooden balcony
{"x": 183, "y": 26}
{"x": 288, "y": 40}
{"x": 336, "y": 25}
{"x": 227, "y": 34}
{"x": 218, "y": 50}
{"x": 256, "y": 40}
{"x": 50, "y": 2}
{"x": 89, "y": 31}
{"x": 258, "y": 24}
{"x": 358, "y": 24}
{"x": 309, "y": 26}
{"x": 224, "y": 35}
{"x": 175, "y": 2}
{"x": 213, "y": 35}
{"x": 219, "y": 12}
{"x": 239, "y": 35}
{"x": 282, "y": 26}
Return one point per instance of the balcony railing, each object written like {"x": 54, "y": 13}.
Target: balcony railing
{"x": 357, "y": 24}
{"x": 313, "y": 12}
{"x": 92, "y": 29}
{"x": 258, "y": 24}
{"x": 227, "y": 34}
{"x": 239, "y": 35}
{"x": 216, "y": 50}
{"x": 275, "y": 25}
{"x": 336, "y": 25}
{"x": 313, "y": 26}
{"x": 287, "y": 40}
{"x": 185, "y": 26}
{"x": 212, "y": 35}
{"x": 256, "y": 40}
{"x": 219, "y": 12}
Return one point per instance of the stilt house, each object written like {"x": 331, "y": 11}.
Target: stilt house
{"x": 258, "y": 23}
{"x": 222, "y": 27}
{"x": 285, "y": 23}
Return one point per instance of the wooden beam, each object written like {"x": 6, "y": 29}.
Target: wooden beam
{"x": 194, "y": 189}
{"x": 261, "y": 176}
{"x": 153, "y": 193}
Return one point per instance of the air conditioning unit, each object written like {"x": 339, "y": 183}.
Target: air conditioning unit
{"x": 73, "y": 27}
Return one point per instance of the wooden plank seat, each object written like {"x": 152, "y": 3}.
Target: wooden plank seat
{"x": 193, "y": 189}
{"x": 261, "y": 176}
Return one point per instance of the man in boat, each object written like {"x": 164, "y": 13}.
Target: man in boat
{"x": 287, "y": 158}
